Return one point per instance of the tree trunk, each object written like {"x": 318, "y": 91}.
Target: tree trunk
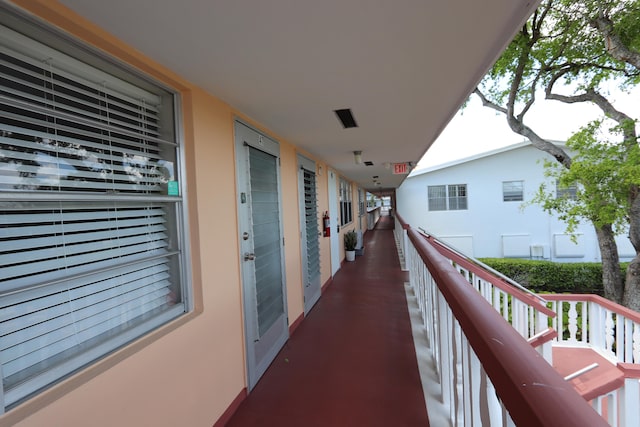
{"x": 611, "y": 275}
{"x": 632, "y": 280}
{"x": 632, "y": 285}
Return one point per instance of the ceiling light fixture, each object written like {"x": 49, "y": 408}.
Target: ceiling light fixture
{"x": 357, "y": 157}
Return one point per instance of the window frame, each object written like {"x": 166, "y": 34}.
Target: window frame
{"x": 361, "y": 202}
{"x": 97, "y": 63}
{"x": 570, "y": 193}
{"x": 447, "y": 197}
{"x": 513, "y": 194}
{"x": 346, "y": 205}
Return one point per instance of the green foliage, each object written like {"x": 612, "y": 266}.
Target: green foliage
{"x": 561, "y": 46}
{"x": 547, "y": 276}
{"x": 350, "y": 240}
{"x": 602, "y": 170}
{"x": 573, "y": 51}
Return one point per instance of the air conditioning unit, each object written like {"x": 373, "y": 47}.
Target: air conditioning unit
{"x": 537, "y": 251}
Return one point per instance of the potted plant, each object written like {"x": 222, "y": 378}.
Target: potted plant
{"x": 350, "y": 242}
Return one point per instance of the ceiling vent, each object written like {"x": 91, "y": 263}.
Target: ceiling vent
{"x": 368, "y": 163}
{"x": 346, "y": 118}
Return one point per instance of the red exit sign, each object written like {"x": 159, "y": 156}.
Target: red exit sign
{"x": 400, "y": 168}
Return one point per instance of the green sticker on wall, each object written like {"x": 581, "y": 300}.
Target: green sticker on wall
{"x": 172, "y": 188}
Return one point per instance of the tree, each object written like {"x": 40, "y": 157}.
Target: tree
{"x": 569, "y": 51}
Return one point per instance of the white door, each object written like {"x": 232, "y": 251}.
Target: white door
{"x": 333, "y": 221}
{"x": 261, "y": 249}
{"x": 309, "y": 232}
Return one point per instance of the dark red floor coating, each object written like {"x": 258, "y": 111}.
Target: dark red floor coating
{"x": 351, "y": 362}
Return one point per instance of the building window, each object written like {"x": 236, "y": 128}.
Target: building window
{"x": 346, "y": 213}
{"x": 91, "y": 229}
{"x": 513, "y": 191}
{"x": 447, "y": 197}
{"x": 570, "y": 192}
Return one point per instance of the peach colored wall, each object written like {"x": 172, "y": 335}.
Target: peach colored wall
{"x": 188, "y": 372}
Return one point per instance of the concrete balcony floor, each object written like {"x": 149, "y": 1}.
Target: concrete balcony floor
{"x": 352, "y": 361}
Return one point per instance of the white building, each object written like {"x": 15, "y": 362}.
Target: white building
{"x": 479, "y": 206}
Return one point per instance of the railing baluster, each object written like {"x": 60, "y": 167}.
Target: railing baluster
{"x": 467, "y": 384}
{"x": 493, "y": 404}
{"x": 458, "y": 383}
{"x": 628, "y": 403}
{"x": 608, "y": 331}
{"x": 611, "y": 400}
{"x": 628, "y": 341}
{"x": 584, "y": 325}
{"x": 572, "y": 322}
{"x": 475, "y": 388}
{"x": 596, "y": 335}
{"x": 636, "y": 343}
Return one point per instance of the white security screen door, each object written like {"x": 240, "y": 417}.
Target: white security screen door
{"x": 309, "y": 232}
{"x": 261, "y": 251}
{"x": 333, "y": 221}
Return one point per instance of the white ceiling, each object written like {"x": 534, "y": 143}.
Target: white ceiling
{"x": 404, "y": 67}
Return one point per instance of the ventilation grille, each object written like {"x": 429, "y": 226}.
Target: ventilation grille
{"x": 346, "y": 118}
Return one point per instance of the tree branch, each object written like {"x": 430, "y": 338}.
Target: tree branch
{"x": 590, "y": 95}
{"x": 613, "y": 43}
{"x": 518, "y": 126}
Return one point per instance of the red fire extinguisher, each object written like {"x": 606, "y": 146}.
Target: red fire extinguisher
{"x": 325, "y": 224}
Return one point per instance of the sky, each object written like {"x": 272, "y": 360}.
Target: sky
{"x": 478, "y": 129}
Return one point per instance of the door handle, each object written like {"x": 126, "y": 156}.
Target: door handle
{"x": 249, "y": 256}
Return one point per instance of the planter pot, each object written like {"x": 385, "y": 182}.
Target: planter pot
{"x": 351, "y": 255}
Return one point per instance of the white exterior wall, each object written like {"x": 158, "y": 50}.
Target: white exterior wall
{"x": 491, "y": 227}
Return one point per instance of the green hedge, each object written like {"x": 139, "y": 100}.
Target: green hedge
{"x": 547, "y": 276}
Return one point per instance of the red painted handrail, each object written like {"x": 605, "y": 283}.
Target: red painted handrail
{"x": 531, "y": 390}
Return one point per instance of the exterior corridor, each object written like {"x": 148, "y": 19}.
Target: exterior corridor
{"x": 352, "y": 360}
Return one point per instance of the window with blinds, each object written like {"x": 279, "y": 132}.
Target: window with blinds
{"x": 437, "y": 197}
{"x": 447, "y": 197}
{"x": 346, "y": 211}
{"x": 569, "y": 192}
{"x": 91, "y": 254}
{"x": 512, "y": 191}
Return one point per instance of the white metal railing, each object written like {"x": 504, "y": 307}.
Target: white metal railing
{"x": 464, "y": 383}
{"x": 613, "y": 331}
{"x": 402, "y": 242}
{"x": 595, "y": 322}
{"x": 580, "y": 321}
{"x": 525, "y": 311}
{"x": 373, "y": 214}
{"x": 488, "y": 373}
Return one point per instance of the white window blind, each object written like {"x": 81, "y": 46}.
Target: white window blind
{"x": 447, "y": 197}
{"x": 346, "y": 211}
{"x": 512, "y": 191}
{"x": 90, "y": 215}
{"x": 437, "y": 197}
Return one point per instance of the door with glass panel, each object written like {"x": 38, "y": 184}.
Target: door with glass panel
{"x": 309, "y": 233}
{"x": 261, "y": 248}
